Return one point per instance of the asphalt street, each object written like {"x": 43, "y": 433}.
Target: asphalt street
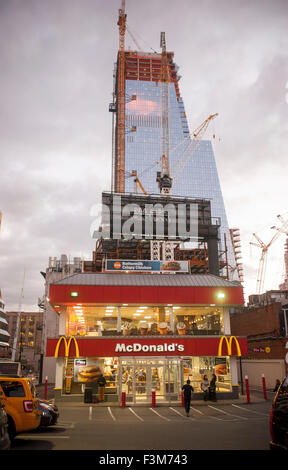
{"x": 213, "y": 426}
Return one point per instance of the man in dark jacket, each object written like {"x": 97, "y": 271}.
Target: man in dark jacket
{"x": 101, "y": 385}
{"x": 188, "y": 389}
{"x": 212, "y": 388}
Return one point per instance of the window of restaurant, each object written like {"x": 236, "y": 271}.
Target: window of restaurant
{"x": 143, "y": 320}
{"x": 138, "y": 377}
{"x": 194, "y": 369}
{"x": 82, "y": 372}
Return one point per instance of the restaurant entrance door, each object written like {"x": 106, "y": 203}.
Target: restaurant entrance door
{"x": 141, "y": 376}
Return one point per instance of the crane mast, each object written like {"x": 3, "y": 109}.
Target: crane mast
{"x": 164, "y": 180}
{"x": 120, "y": 145}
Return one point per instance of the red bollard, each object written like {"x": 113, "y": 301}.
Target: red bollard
{"x": 123, "y": 399}
{"x": 182, "y": 399}
{"x": 153, "y": 399}
{"x": 45, "y": 391}
{"x": 247, "y": 389}
{"x": 264, "y": 387}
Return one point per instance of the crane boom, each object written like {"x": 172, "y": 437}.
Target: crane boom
{"x": 197, "y": 137}
{"x": 133, "y": 37}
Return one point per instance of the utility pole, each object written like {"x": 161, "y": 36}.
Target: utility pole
{"x": 15, "y": 342}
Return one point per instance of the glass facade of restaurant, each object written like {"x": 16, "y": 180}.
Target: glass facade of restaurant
{"x": 139, "y": 320}
{"x": 138, "y": 377}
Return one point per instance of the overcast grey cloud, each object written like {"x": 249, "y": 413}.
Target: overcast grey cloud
{"x": 56, "y": 62}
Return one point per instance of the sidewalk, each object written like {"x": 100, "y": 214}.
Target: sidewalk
{"x": 254, "y": 398}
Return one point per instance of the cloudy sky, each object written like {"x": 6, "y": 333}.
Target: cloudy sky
{"x": 56, "y": 62}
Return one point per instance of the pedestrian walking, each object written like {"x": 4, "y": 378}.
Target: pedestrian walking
{"x": 212, "y": 388}
{"x": 188, "y": 389}
{"x": 205, "y": 387}
{"x": 101, "y": 386}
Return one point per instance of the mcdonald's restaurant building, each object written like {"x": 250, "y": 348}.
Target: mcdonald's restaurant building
{"x": 144, "y": 333}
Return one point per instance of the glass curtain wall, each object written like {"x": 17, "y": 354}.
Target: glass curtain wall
{"x": 199, "y": 177}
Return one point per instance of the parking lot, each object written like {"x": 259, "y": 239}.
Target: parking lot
{"x": 215, "y": 426}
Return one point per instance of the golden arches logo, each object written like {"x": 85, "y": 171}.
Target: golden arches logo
{"x": 229, "y": 345}
{"x": 67, "y": 346}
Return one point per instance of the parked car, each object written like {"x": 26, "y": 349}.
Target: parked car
{"x": 49, "y": 413}
{"x": 4, "y": 436}
{"x": 21, "y": 404}
{"x": 279, "y": 418}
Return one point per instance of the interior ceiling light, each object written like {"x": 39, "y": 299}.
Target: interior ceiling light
{"x": 176, "y": 308}
{"x": 108, "y": 314}
{"x": 136, "y": 314}
{"x": 148, "y": 317}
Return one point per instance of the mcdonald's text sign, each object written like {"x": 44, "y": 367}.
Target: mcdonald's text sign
{"x": 165, "y": 346}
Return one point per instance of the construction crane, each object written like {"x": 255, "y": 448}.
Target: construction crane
{"x": 264, "y": 247}
{"x": 195, "y": 142}
{"x": 137, "y": 182}
{"x": 164, "y": 178}
{"x": 120, "y": 144}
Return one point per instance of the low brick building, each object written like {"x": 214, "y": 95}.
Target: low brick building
{"x": 264, "y": 322}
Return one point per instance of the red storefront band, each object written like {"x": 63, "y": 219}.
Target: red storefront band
{"x": 115, "y": 347}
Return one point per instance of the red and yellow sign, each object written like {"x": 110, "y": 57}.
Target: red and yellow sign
{"x": 67, "y": 346}
{"x": 229, "y": 344}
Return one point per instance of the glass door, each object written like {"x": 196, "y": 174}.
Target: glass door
{"x": 126, "y": 377}
{"x": 173, "y": 383}
{"x": 142, "y": 382}
{"x": 139, "y": 377}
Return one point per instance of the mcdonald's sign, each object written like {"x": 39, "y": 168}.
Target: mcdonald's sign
{"x": 67, "y": 346}
{"x": 229, "y": 346}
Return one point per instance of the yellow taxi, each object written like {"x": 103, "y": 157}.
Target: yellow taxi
{"x": 19, "y": 396}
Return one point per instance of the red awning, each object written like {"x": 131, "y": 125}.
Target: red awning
{"x": 148, "y": 289}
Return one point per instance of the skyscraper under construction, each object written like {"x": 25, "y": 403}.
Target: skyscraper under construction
{"x": 138, "y": 122}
